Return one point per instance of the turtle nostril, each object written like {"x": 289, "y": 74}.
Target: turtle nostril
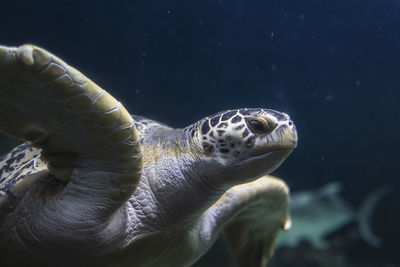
{"x": 290, "y": 123}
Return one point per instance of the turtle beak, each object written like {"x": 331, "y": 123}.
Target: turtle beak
{"x": 283, "y": 137}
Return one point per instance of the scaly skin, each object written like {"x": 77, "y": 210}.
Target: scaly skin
{"x": 118, "y": 193}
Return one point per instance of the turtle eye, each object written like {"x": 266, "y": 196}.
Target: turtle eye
{"x": 258, "y": 126}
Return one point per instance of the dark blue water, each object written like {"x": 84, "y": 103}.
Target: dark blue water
{"x": 332, "y": 65}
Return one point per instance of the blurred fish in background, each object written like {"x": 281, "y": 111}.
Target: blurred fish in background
{"x": 318, "y": 213}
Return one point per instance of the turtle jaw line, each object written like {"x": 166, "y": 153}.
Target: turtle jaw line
{"x": 263, "y": 163}
{"x": 265, "y": 155}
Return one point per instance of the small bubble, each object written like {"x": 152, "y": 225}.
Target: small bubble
{"x": 137, "y": 91}
{"x": 358, "y": 82}
{"x": 328, "y": 98}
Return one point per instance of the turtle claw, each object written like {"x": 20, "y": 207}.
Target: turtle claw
{"x": 25, "y": 53}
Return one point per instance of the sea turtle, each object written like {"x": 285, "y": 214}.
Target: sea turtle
{"x": 95, "y": 186}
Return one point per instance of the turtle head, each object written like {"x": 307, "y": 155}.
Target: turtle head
{"x": 246, "y": 143}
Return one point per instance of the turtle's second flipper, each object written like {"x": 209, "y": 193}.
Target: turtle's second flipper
{"x": 85, "y": 134}
{"x": 255, "y": 213}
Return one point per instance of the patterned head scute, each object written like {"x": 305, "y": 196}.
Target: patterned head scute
{"x": 236, "y": 134}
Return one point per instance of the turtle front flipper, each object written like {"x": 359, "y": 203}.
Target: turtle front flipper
{"x": 251, "y": 216}
{"x": 87, "y": 137}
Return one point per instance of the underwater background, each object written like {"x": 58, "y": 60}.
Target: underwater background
{"x": 333, "y": 66}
